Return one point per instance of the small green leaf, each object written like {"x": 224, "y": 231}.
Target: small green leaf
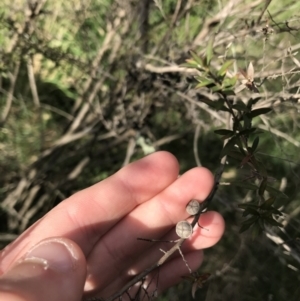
{"x": 245, "y": 185}
{"x": 247, "y": 121}
{"x": 207, "y": 101}
{"x": 208, "y": 83}
{"x": 260, "y": 111}
{"x": 200, "y": 78}
{"x": 224, "y": 69}
{"x": 255, "y": 144}
{"x": 224, "y": 132}
{"x": 231, "y": 81}
{"x": 197, "y": 59}
{"x": 248, "y": 223}
{"x": 240, "y": 106}
{"x": 250, "y": 220}
{"x": 228, "y": 92}
{"x": 216, "y": 105}
{"x": 250, "y": 211}
{"x": 262, "y": 187}
{"x": 257, "y": 229}
{"x": 220, "y": 106}
{"x": 236, "y": 155}
{"x": 276, "y": 192}
{"x": 253, "y": 101}
{"x": 268, "y": 203}
{"x": 259, "y": 167}
{"x": 247, "y": 205}
{"x": 245, "y": 227}
{"x": 272, "y": 222}
{"x": 240, "y": 146}
{"x": 216, "y": 88}
{"x": 275, "y": 211}
{"x": 247, "y": 131}
{"x": 229, "y": 146}
{"x": 191, "y": 64}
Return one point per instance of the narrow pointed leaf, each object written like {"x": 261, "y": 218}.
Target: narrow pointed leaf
{"x": 247, "y": 121}
{"x": 262, "y": 187}
{"x": 191, "y": 64}
{"x": 228, "y": 92}
{"x": 197, "y": 58}
{"x": 276, "y": 192}
{"x": 245, "y": 227}
{"x": 247, "y": 205}
{"x": 268, "y": 203}
{"x": 255, "y": 144}
{"x": 245, "y": 185}
{"x": 236, "y": 155}
{"x": 260, "y": 111}
{"x": 225, "y": 67}
{"x": 200, "y": 78}
{"x": 275, "y": 211}
{"x": 272, "y": 222}
{"x": 257, "y": 229}
{"x": 253, "y": 101}
{"x": 228, "y": 147}
{"x": 206, "y": 83}
{"x": 216, "y": 88}
{"x": 250, "y": 211}
{"x": 247, "y": 131}
{"x": 224, "y": 132}
{"x": 240, "y": 106}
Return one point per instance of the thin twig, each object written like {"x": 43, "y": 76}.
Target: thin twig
{"x": 195, "y": 147}
{"x": 32, "y": 83}
{"x": 10, "y": 94}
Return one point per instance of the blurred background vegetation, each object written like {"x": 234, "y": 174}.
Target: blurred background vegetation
{"x": 88, "y": 86}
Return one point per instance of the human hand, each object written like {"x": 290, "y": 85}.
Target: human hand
{"x": 87, "y": 246}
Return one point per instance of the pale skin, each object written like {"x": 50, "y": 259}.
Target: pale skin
{"x": 100, "y": 225}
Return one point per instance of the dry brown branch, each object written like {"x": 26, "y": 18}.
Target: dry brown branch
{"x": 78, "y": 169}
{"x": 17, "y": 197}
{"x": 203, "y": 106}
{"x": 32, "y": 83}
{"x": 263, "y": 11}
{"x": 195, "y": 147}
{"x": 279, "y": 134}
{"x": 10, "y": 94}
{"x": 171, "y": 26}
{"x": 7, "y": 237}
{"x": 57, "y": 111}
{"x": 26, "y": 204}
{"x": 32, "y": 211}
{"x": 111, "y": 32}
{"x": 166, "y": 140}
{"x": 170, "y": 69}
{"x": 130, "y": 150}
{"x": 218, "y": 18}
{"x": 27, "y": 28}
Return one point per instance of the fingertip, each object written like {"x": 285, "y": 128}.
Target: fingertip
{"x": 160, "y": 163}
{"x": 202, "y": 178}
{"x": 148, "y": 176}
{"x": 210, "y": 230}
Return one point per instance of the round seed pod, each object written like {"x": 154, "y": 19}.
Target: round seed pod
{"x": 193, "y": 207}
{"x": 184, "y": 229}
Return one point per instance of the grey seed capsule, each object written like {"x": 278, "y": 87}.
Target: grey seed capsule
{"x": 193, "y": 207}
{"x": 184, "y": 229}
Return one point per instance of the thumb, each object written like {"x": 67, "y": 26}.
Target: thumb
{"x": 54, "y": 269}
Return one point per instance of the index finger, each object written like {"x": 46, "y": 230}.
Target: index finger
{"x": 78, "y": 218}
